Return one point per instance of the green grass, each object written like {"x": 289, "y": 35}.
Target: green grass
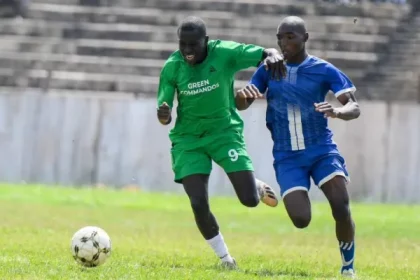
{"x": 154, "y": 237}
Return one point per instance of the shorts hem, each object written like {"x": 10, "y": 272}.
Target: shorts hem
{"x": 178, "y": 179}
{"x": 331, "y": 176}
{"x": 297, "y": 188}
{"x": 227, "y": 171}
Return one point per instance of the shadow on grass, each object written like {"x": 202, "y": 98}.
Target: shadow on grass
{"x": 199, "y": 266}
{"x": 280, "y": 272}
{"x": 264, "y": 272}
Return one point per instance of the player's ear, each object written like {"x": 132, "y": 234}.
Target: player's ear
{"x": 306, "y": 37}
{"x": 206, "y": 39}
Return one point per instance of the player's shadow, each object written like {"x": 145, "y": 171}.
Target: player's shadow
{"x": 264, "y": 272}
{"x": 272, "y": 273}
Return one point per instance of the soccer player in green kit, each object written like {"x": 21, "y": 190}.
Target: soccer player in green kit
{"x": 208, "y": 126}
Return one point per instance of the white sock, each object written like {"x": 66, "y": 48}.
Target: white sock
{"x": 219, "y": 246}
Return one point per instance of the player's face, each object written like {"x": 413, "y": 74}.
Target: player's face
{"x": 290, "y": 42}
{"x": 193, "y": 46}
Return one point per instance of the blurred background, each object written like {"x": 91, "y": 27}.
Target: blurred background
{"x": 78, "y": 82}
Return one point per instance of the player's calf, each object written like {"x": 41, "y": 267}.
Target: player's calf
{"x": 196, "y": 188}
{"x": 336, "y": 192}
{"x": 204, "y": 219}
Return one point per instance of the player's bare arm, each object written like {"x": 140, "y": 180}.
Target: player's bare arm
{"x": 349, "y": 111}
{"x": 164, "y": 114}
{"x": 246, "y": 96}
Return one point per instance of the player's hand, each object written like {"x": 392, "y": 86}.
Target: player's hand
{"x": 164, "y": 113}
{"x": 274, "y": 62}
{"x": 249, "y": 92}
{"x": 327, "y": 109}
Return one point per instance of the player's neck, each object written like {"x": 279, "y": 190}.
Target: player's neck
{"x": 298, "y": 58}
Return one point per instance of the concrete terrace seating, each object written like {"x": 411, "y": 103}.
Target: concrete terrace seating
{"x": 122, "y": 47}
{"x": 397, "y": 75}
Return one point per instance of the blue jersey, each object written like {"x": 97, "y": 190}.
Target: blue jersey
{"x": 291, "y": 117}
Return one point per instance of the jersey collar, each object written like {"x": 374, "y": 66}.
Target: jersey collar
{"x": 301, "y": 64}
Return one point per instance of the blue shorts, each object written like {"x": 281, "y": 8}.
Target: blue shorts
{"x": 295, "y": 168}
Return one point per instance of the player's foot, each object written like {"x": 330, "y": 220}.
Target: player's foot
{"x": 267, "y": 194}
{"x": 228, "y": 263}
{"x": 348, "y": 273}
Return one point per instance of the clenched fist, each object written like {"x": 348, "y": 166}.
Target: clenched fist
{"x": 164, "y": 113}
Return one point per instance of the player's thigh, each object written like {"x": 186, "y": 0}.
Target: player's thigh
{"x": 196, "y": 185}
{"x": 186, "y": 162}
{"x": 327, "y": 168}
{"x": 298, "y": 207}
{"x": 229, "y": 151}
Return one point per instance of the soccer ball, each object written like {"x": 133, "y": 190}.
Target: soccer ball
{"x": 90, "y": 246}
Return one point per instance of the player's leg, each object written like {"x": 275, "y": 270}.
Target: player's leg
{"x": 330, "y": 175}
{"x": 196, "y": 187}
{"x": 192, "y": 168}
{"x": 294, "y": 182}
{"x": 229, "y": 151}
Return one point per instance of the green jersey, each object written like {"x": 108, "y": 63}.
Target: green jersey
{"x": 205, "y": 91}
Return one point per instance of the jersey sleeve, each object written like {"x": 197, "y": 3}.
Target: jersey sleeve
{"x": 167, "y": 87}
{"x": 242, "y": 56}
{"x": 260, "y": 79}
{"x": 338, "y": 82}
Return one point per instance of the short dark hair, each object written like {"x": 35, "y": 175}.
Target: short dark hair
{"x": 192, "y": 23}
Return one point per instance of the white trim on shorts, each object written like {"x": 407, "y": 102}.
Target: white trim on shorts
{"x": 331, "y": 176}
{"x": 298, "y": 188}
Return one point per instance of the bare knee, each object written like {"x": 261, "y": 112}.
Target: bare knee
{"x": 301, "y": 220}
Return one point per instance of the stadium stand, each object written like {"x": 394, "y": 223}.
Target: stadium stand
{"x": 120, "y": 46}
{"x": 396, "y": 75}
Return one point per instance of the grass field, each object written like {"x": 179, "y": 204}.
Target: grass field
{"x": 154, "y": 237}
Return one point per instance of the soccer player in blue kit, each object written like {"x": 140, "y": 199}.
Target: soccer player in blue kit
{"x": 303, "y": 146}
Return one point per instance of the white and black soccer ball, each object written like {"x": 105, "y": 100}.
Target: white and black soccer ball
{"x": 90, "y": 246}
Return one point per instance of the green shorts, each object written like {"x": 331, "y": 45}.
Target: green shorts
{"x": 194, "y": 155}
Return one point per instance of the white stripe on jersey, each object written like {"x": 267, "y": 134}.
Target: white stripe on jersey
{"x": 297, "y": 140}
